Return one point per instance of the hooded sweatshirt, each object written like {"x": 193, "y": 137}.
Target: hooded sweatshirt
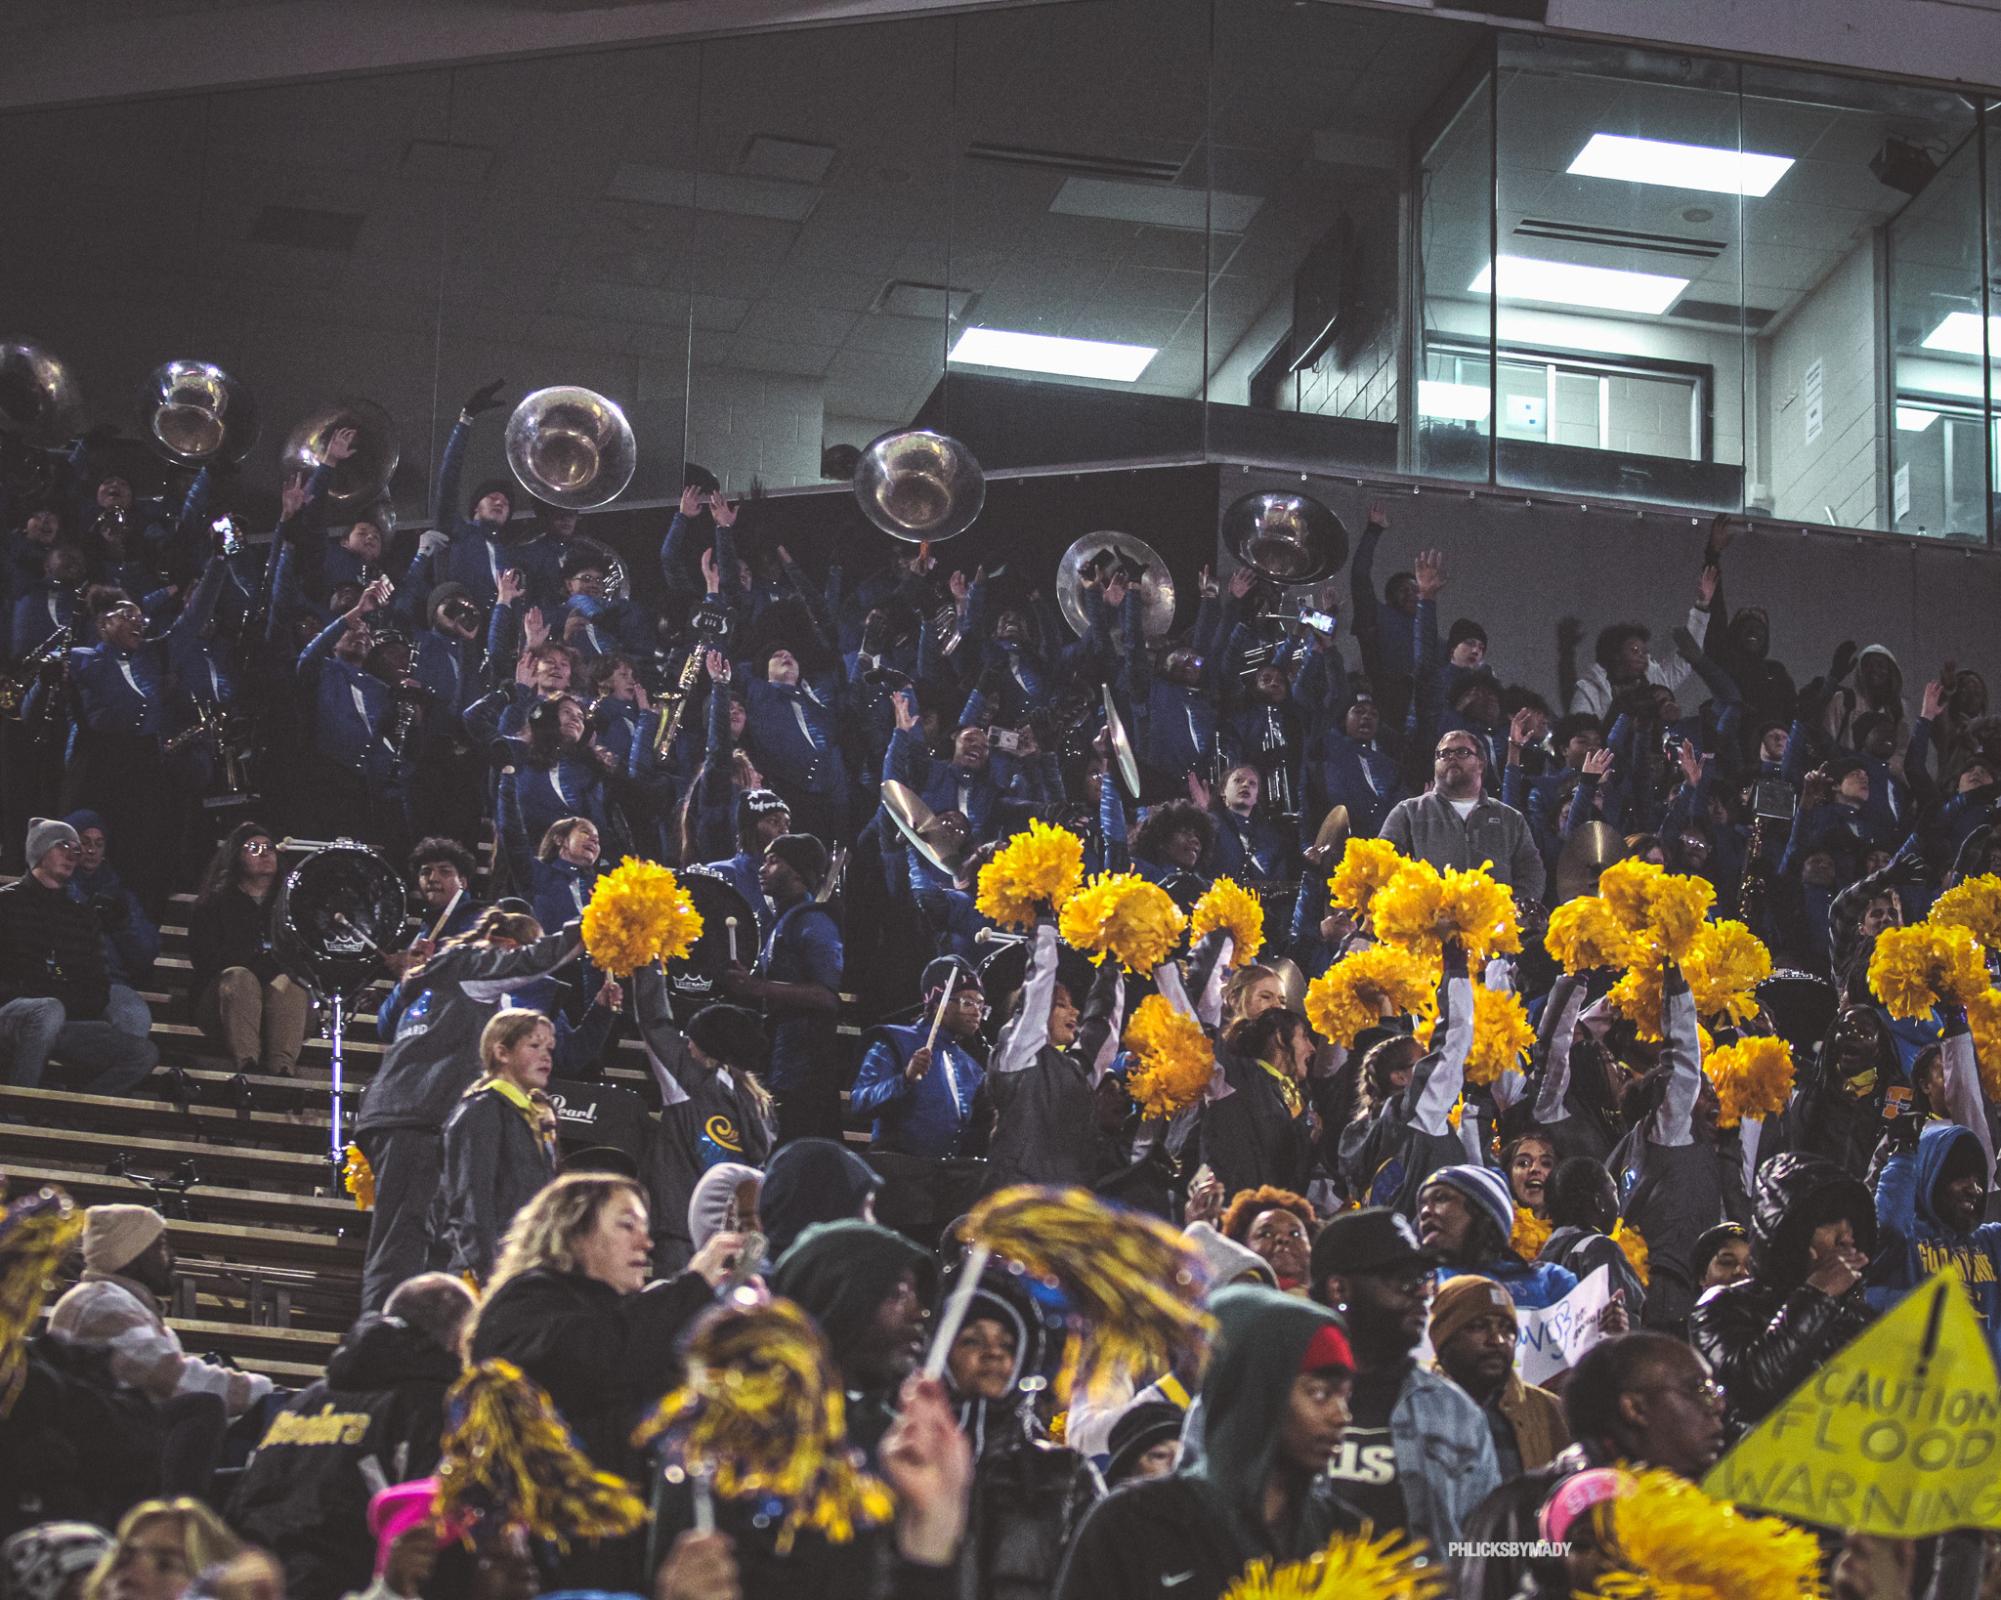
{"x": 809, "y": 1181}
{"x": 1765, "y": 1335}
{"x": 839, "y": 1274}
{"x": 1192, "y": 1534}
{"x": 1917, "y": 1241}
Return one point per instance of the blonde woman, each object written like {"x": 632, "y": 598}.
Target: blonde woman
{"x": 500, "y": 1142}
{"x": 569, "y": 1303}
{"x": 162, "y": 1546}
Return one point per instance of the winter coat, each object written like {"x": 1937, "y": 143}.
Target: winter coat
{"x": 604, "y": 1357}
{"x": 1028, "y": 1498}
{"x": 1191, "y": 1534}
{"x": 1918, "y": 1242}
{"x": 305, "y": 1494}
{"x": 496, "y": 1161}
{"x": 1763, "y": 1337}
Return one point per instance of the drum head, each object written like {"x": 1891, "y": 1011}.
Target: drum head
{"x": 698, "y": 976}
{"x": 333, "y": 915}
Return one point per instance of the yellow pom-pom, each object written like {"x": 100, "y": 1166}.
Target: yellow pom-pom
{"x": 1458, "y": 1110}
{"x": 1914, "y": 969}
{"x": 1529, "y": 1234}
{"x": 1420, "y": 908}
{"x": 1123, "y": 916}
{"x": 1360, "y": 989}
{"x": 1031, "y": 875}
{"x": 638, "y": 914}
{"x": 1983, "y": 1021}
{"x": 1352, "y": 1567}
{"x": 1630, "y": 1240}
{"x": 1366, "y": 865}
{"x": 1671, "y": 1539}
{"x": 1637, "y": 998}
{"x": 1975, "y": 905}
{"x": 358, "y": 1178}
{"x": 1753, "y": 1078}
{"x": 1627, "y": 888}
{"x": 1724, "y": 970}
{"x": 1176, "y": 1060}
{"x": 1585, "y": 933}
{"x": 1677, "y": 905}
{"x": 1239, "y": 913}
{"x": 1501, "y": 1032}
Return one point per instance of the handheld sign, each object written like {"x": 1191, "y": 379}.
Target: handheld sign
{"x": 1898, "y": 1435}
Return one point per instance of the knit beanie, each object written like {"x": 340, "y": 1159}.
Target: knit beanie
{"x": 115, "y": 1236}
{"x": 44, "y": 834}
{"x": 1465, "y": 628}
{"x": 487, "y": 486}
{"x": 729, "y": 1034}
{"x": 1486, "y": 1188}
{"x": 395, "y": 1511}
{"x": 804, "y": 854}
{"x": 37, "y": 1563}
{"x": 1459, "y": 1300}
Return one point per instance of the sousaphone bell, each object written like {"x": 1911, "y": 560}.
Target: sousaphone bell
{"x": 571, "y": 447}
{"x": 1096, "y": 557}
{"x": 1289, "y": 538}
{"x": 195, "y": 414}
{"x": 920, "y": 486}
{"x": 364, "y": 476}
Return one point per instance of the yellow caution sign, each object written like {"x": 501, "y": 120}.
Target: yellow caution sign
{"x": 1899, "y": 1434}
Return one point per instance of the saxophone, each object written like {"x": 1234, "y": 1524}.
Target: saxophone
{"x": 673, "y": 707}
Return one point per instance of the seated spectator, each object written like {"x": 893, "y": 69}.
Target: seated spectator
{"x": 1276, "y": 1225}
{"x": 53, "y": 983}
{"x": 131, "y": 938}
{"x": 128, "y": 1275}
{"x": 1473, "y": 1330}
{"x": 243, "y": 1000}
{"x": 305, "y": 1495}
{"x": 161, "y": 1549}
{"x": 51, "y": 1561}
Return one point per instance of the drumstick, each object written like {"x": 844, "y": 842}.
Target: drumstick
{"x": 954, "y": 1314}
{"x": 729, "y": 924}
{"x": 705, "y": 1505}
{"x": 944, "y": 1000}
{"x": 451, "y": 905}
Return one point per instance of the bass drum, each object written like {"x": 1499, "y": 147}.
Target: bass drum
{"x": 333, "y": 915}
{"x": 697, "y": 977}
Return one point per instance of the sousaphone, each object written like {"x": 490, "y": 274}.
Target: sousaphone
{"x": 571, "y": 447}
{"x": 1289, "y": 538}
{"x": 1096, "y": 557}
{"x": 197, "y": 415}
{"x": 920, "y": 486}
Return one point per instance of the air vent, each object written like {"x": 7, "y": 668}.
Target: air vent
{"x": 931, "y": 301}
{"x": 1750, "y": 318}
{"x": 1019, "y": 155}
{"x": 1660, "y": 244}
{"x": 303, "y": 228}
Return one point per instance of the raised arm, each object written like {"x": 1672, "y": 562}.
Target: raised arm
{"x": 1440, "y": 1074}
{"x": 1674, "y": 1123}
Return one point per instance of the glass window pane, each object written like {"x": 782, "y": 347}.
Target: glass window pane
{"x": 1452, "y": 423}
{"x": 1618, "y": 270}
{"x": 1841, "y": 323}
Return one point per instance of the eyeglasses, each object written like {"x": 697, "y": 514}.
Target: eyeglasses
{"x": 257, "y": 847}
{"x": 1462, "y": 752}
{"x": 1704, "y": 1391}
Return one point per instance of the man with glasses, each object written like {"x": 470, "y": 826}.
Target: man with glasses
{"x": 1417, "y": 1454}
{"x": 919, "y": 1082}
{"x": 1457, "y": 825}
{"x": 53, "y": 984}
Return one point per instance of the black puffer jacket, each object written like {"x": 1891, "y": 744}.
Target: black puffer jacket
{"x": 304, "y": 1496}
{"x": 1764, "y": 1337}
{"x": 1028, "y": 1497}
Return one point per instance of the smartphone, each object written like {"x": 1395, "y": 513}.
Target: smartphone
{"x": 225, "y": 531}
{"x": 1006, "y": 740}
{"x": 1317, "y": 619}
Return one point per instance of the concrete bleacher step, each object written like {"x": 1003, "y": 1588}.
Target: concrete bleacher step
{"x": 211, "y": 1201}
{"x": 206, "y": 1123}
{"x": 287, "y": 1172}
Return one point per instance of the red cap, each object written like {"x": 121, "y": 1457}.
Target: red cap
{"x": 1328, "y": 1348}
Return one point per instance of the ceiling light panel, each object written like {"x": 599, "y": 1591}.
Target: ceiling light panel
{"x": 1709, "y": 168}
{"x": 1453, "y": 402}
{"x": 1959, "y": 334}
{"x": 1041, "y": 352}
{"x": 1566, "y": 283}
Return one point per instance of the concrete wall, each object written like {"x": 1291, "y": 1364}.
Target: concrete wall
{"x": 1835, "y": 326}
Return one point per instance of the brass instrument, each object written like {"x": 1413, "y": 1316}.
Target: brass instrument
{"x": 674, "y": 706}
{"x": 44, "y": 662}
{"x": 571, "y": 448}
{"x": 1289, "y": 538}
{"x": 920, "y": 486}
{"x": 196, "y": 414}
{"x": 364, "y": 476}
{"x": 1097, "y": 556}
{"x": 617, "y": 581}
{"x": 39, "y": 398}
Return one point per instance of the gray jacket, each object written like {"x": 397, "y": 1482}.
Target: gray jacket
{"x": 495, "y": 1163}
{"x": 434, "y": 1058}
{"x": 1427, "y": 828}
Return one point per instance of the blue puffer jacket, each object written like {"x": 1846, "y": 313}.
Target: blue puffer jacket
{"x": 1530, "y": 1284}
{"x": 1916, "y": 1242}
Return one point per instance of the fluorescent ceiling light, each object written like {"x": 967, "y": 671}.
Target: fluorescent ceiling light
{"x": 1456, "y": 402}
{"x": 1960, "y": 333}
{"x": 1679, "y": 166}
{"x": 1565, "y": 283}
{"x": 1042, "y": 352}
{"x": 1915, "y": 419}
